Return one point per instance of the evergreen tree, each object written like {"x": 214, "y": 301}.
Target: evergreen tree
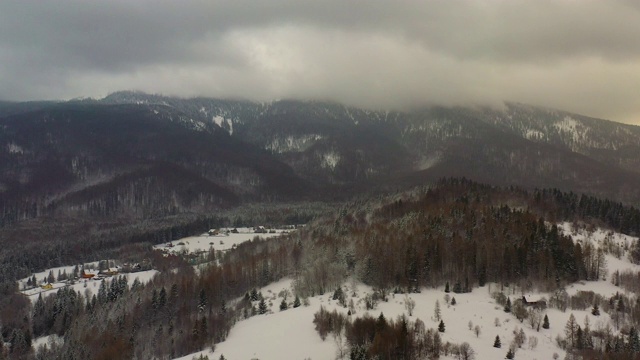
{"x": 283, "y": 305}
{"x": 39, "y": 317}
{"x": 453, "y": 300}
{"x": 507, "y": 306}
{"x": 339, "y": 295}
{"x": 202, "y": 301}
{"x": 223, "y": 307}
{"x": 262, "y": 307}
{"x": 381, "y": 323}
{"x": 154, "y": 300}
{"x": 204, "y": 328}
{"x": 296, "y": 302}
{"x": 634, "y": 341}
{"x": 436, "y": 311}
{"x": 570, "y": 330}
{"x": 497, "y": 343}
{"x": 446, "y": 288}
{"x": 579, "y": 339}
{"x": 254, "y": 295}
{"x": 545, "y": 322}
{"x": 162, "y": 298}
{"x": 102, "y": 293}
{"x": 441, "y": 326}
{"x": 595, "y": 311}
{"x": 510, "y": 354}
{"x": 222, "y": 357}
{"x": 457, "y": 288}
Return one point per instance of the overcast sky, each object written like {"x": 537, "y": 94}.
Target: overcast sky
{"x": 577, "y": 55}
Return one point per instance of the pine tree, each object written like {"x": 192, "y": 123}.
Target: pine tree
{"x": 339, "y": 295}
{"x": 545, "y": 322}
{"x": 634, "y": 341}
{"x": 262, "y": 307}
{"x": 457, "y": 288}
{"x": 202, "y": 301}
{"x": 446, "y": 288}
{"x": 102, "y": 292}
{"x": 510, "y": 354}
{"x": 595, "y": 311}
{"x": 507, "y": 306}
{"x": 453, "y": 300}
{"x": 162, "y": 298}
{"x": 441, "y": 326}
{"x": 497, "y": 343}
{"x": 579, "y": 338}
{"x": 570, "y": 330}
{"x": 381, "y": 323}
{"x": 223, "y": 307}
{"x": 254, "y": 295}
{"x": 436, "y": 311}
{"x": 204, "y": 328}
{"x": 296, "y": 302}
{"x": 283, "y": 305}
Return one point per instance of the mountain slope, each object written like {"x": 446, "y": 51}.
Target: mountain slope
{"x": 150, "y": 155}
{"x": 129, "y": 159}
{"x": 518, "y": 144}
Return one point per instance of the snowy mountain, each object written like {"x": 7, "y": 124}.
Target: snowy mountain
{"x": 329, "y": 143}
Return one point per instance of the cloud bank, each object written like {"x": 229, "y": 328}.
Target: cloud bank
{"x": 581, "y": 56}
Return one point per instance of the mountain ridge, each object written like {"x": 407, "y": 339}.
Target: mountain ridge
{"x": 70, "y": 156}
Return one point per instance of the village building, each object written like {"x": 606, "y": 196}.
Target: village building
{"x": 88, "y": 274}
{"x": 534, "y": 301}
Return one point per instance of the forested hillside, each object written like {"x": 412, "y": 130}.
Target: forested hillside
{"x": 459, "y": 233}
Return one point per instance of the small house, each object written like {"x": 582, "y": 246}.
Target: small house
{"x": 110, "y": 271}
{"x": 47, "y": 286}
{"x": 534, "y": 301}
{"x": 88, "y": 274}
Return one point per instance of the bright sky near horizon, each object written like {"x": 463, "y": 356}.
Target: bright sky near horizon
{"x": 579, "y": 56}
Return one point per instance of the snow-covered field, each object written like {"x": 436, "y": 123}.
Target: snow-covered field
{"x": 290, "y": 334}
{"x": 205, "y": 242}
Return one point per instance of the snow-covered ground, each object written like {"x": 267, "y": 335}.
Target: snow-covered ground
{"x": 205, "y": 242}
{"x": 290, "y": 334}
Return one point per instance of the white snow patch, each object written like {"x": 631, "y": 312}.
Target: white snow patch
{"x": 14, "y": 148}
{"x": 218, "y": 120}
{"x": 532, "y": 134}
{"x": 292, "y": 143}
{"x": 47, "y": 340}
{"x": 570, "y": 126}
{"x": 205, "y": 242}
{"x": 330, "y": 159}
{"x": 428, "y": 162}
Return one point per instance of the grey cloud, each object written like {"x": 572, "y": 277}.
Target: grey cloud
{"x": 583, "y": 56}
